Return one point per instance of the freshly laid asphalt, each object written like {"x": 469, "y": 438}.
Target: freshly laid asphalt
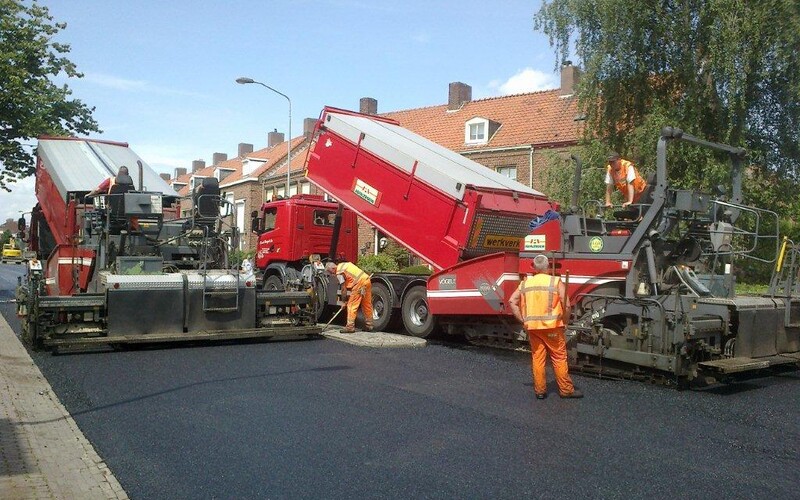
{"x": 325, "y": 419}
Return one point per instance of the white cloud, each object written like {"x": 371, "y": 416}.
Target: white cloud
{"x": 526, "y": 80}
{"x": 162, "y": 159}
{"x": 127, "y": 85}
{"x": 20, "y": 199}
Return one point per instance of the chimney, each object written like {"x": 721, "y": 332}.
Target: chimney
{"x": 244, "y": 149}
{"x": 198, "y": 165}
{"x": 459, "y": 94}
{"x": 181, "y": 171}
{"x": 308, "y": 127}
{"x": 218, "y": 158}
{"x": 274, "y": 138}
{"x": 368, "y": 106}
{"x": 164, "y": 176}
{"x": 570, "y": 77}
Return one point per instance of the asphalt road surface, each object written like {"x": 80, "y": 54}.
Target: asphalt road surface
{"x": 322, "y": 419}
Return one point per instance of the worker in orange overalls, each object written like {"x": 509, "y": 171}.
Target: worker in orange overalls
{"x": 352, "y": 278}
{"x": 622, "y": 174}
{"x": 541, "y": 303}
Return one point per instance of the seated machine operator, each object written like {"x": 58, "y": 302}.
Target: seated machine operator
{"x": 105, "y": 186}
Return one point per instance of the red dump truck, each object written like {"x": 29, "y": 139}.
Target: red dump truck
{"x": 466, "y": 221}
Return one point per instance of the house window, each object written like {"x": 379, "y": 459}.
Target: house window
{"x": 195, "y": 181}
{"x": 240, "y": 222}
{"x": 477, "y": 132}
{"x": 510, "y": 172}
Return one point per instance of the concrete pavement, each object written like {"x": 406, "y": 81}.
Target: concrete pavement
{"x": 373, "y": 339}
{"x": 43, "y": 453}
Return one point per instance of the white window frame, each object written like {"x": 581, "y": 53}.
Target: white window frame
{"x": 476, "y": 123}
{"x": 505, "y": 170}
{"x": 240, "y": 224}
{"x": 218, "y": 171}
{"x": 192, "y": 183}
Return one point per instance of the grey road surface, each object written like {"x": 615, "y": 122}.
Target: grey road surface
{"x": 322, "y": 419}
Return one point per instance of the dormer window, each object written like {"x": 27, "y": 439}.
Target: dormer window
{"x": 195, "y": 181}
{"x": 479, "y": 130}
{"x": 249, "y": 165}
{"x": 222, "y": 173}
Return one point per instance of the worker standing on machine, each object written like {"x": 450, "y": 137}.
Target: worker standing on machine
{"x": 622, "y": 174}
{"x": 541, "y": 304}
{"x": 352, "y": 278}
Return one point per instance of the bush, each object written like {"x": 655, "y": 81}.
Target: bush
{"x": 380, "y": 263}
{"x": 418, "y": 269}
{"x": 236, "y": 257}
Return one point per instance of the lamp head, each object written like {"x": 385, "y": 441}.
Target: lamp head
{"x": 244, "y": 79}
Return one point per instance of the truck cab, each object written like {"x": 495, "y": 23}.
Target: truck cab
{"x": 291, "y": 230}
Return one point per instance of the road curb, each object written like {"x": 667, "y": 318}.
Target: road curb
{"x": 43, "y": 453}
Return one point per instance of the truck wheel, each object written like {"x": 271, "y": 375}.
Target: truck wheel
{"x": 417, "y": 318}
{"x": 321, "y": 310}
{"x": 273, "y": 283}
{"x": 382, "y": 307}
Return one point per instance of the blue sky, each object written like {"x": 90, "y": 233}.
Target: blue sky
{"x": 161, "y": 73}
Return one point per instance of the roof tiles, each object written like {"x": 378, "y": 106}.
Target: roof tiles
{"x": 538, "y": 118}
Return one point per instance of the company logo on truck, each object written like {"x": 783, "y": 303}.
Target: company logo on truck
{"x": 501, "y": 242}
{"x": 447, "y": 282}
{"x": 535, "y": 242}
{"x": 367, "y": 192}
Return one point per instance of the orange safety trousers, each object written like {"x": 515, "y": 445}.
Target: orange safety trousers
{"x": 552, "y": 343}
{"x": 364, "y": 301}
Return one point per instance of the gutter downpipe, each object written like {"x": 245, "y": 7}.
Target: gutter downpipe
{"x": 530, "y": 167}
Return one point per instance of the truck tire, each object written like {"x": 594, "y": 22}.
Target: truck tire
{"x": 417, "y": 318}
{"x": 322, "y": 311}
{"x": 382, "y": 307}
{"x": 274, "y": 283}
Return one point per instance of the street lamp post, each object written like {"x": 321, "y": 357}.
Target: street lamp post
{"x": 245, "y": 80}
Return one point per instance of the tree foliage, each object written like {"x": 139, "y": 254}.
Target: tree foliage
{"x": 724, "y": 70}
{"x": 31, "y": 104}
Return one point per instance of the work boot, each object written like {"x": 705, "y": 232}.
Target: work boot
{"x": 348, "y": 329}
{"x": 368, "y": 328}
{"x": 542, "y": 395}
{"x": 576, "y": 394}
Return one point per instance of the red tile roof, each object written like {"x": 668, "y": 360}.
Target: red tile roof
{"x": 538, "y": 118}
{"x": 298, "y": 161}
{"x": 280, "y": 148}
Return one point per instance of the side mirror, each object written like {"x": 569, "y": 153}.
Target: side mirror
{"x": 255, "y": 222}
{"x": 21, "y": 224}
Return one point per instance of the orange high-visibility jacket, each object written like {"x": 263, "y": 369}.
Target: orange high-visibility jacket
{"x": 621, "y": 182}
{"x": 351, "y": 272}
{"x": 541, "y": 304}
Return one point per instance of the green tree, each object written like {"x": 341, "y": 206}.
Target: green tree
{"x": 30, "y": 103}
{"x": 724, "y": 70}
